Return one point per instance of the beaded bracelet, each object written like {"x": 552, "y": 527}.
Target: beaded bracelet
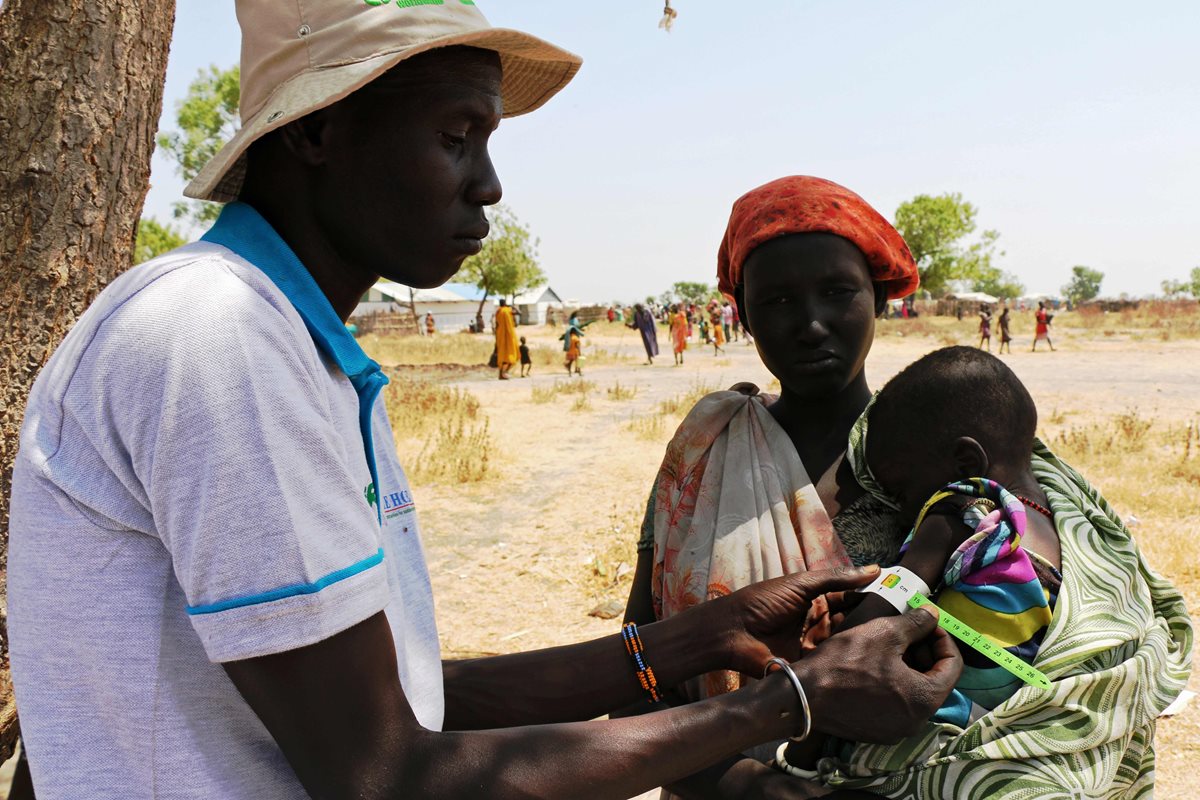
{"x": 786, "y": 669}
{"x": 633, "y": 646}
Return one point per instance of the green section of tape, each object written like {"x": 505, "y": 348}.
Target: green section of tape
{"x": 980, "y": 643}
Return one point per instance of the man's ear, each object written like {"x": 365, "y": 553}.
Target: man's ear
{"x": 739, "y": 298}
{"x": 970, "y": 459}
{"x": 305, "y": 138}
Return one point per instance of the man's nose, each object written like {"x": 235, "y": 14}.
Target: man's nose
{"x": 485, "y": 188}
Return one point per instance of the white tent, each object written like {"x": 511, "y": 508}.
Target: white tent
{"x": 975, "y": 297}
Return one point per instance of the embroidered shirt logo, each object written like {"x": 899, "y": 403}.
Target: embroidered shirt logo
{"x": 412, "y": 3}
{"x": 369, "y": 494}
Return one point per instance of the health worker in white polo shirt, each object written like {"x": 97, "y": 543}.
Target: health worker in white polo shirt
{"x": 216, "y": 582}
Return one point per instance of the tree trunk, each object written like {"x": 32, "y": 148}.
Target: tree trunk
{"x": 412, "y": 308}
{"x": 81, "y": 85}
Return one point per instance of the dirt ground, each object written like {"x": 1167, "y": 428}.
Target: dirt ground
{"x": 514, "y": 560}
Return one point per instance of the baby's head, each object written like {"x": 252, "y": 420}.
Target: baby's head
{"x": 956, "y": 413}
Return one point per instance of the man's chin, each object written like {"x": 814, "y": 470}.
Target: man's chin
{"x": 425, "y": 277}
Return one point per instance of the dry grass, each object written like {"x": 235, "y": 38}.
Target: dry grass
{"x": 445, "y": 426}
{"x": 609, "y": 572}
{"x": 682, "y": 403}
{"x": 648, "y": 427}
{"x": 620, "y": 393}
{"x": 1150, "y": 471}
{"x": 447, "y": 348}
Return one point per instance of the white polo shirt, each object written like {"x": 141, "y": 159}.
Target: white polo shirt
{"x": 194, "y": 486}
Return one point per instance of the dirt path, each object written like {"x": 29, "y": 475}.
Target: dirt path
{"x": 513, "y": 559}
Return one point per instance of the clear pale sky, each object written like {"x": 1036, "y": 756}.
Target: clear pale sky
{"x": 1074, "y": 127}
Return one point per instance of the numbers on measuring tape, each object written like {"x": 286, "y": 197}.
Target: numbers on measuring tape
{"x": 981, "y": 644}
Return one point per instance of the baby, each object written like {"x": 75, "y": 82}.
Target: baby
{"x": 949, "y": 440}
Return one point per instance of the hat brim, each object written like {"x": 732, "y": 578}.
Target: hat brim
{"x": 533, "y": 71}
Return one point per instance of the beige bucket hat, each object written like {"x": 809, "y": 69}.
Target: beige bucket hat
{"x": 301, "y": 56}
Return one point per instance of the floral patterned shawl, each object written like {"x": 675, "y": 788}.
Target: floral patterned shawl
{"x": 733, "y": 506}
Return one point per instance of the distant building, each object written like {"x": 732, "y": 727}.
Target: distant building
{"x": 453, "y": 305}
{"x": 534, "y": 304}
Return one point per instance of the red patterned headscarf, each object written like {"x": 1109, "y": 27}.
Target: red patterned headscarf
{"x": 802, "y": 204}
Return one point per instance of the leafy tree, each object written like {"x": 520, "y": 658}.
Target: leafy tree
{"x": 207, "y": 118}
{"x": 693, "y": 291}
{"x": 507, "y": 265}
{"x": 1190, "y": 286}
{"x": 154, "y": 238}
{"x": 1084, "y": 284}
{"x": 997, "y": 282}
{"x": 937, "y": 231}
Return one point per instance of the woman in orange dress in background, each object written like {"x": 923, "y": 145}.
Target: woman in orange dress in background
{"x": 679, "y": 333}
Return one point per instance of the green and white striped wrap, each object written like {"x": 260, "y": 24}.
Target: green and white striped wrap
{"x": 1117, "y": 652}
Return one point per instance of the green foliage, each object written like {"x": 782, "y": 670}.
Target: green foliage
{"x": 154, "y": 238}
{"x": 1190, "y": 286}
{"x": 207, "y": 118}
{"x": 1084, "y": 284}
{"x": 693, "y": 291}
{"x": 507, "y": 265}
{"x": 998, "y": 283}
{"x": 936, "y": 229}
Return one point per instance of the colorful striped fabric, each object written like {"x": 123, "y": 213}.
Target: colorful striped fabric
{"x": 1117, "y": 651}
{"x": 990, "y": 584}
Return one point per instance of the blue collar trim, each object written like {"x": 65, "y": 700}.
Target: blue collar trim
{"x": 244, "y": 231}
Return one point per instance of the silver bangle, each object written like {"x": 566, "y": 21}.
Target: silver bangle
{"x": 791, "y": 675}
{"x": 784, "y": 766}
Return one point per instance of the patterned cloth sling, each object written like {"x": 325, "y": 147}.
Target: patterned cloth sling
{"x": 1117, "y": 651}
{"x": 992, "y": 584}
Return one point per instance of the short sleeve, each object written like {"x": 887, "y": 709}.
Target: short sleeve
{"x": 226, "y": 413}
{"x": 646, "y": 538}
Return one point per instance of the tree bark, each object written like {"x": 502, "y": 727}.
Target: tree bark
{"x": 81, "y": 85}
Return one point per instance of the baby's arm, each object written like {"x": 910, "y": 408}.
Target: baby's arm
{"x": 931, "y": 547}
{"x": 935, "y": 541}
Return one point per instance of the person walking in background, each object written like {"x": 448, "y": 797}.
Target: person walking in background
{"x": 1005, "y": 334}
{"x": 718, "y": 330}
{"x": 643, "y": 323}
{"x": 526, "y": 361}
{"x": 1043, "y": 319}
{"x": 507, "y": 351}
{"x": 430, "y": 324}
{"x": 985, "y": 328}
{"x": 574, "y": 345}
{"x": 679, "y": 333}
{"x": 727, "y": 321}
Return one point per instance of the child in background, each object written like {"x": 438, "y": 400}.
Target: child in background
{"x": 574, "y": 344}
{"x": 951, "y": 441}
{"x": 526, "y": 362}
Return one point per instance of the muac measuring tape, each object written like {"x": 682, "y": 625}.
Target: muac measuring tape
{"x": 903, "y": 588}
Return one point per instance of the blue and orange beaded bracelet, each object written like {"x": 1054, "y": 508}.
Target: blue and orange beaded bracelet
{"x": 633, "y": 646}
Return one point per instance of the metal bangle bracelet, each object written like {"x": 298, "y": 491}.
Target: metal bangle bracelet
{"x": 791, "y": 675}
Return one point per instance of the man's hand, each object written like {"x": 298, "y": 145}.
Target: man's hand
{"x": 768, "y": 618}
{"x": 860, "y": 686}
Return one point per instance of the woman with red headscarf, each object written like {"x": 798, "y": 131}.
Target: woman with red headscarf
{"x": 752, "y": 485}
